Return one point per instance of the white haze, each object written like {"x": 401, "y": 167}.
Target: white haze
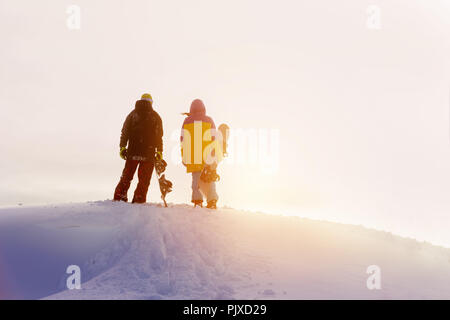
{"x": 363, "y": 115}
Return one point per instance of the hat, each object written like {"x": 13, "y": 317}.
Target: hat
{"x": 147, "y": 96}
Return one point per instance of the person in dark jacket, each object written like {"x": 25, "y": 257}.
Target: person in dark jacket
{"x": 142, "y": 131}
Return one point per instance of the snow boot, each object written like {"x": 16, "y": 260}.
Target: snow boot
{"x": 212, "y": 204}
{"x": 198, "y": 203}
{"x": 120, "y": 198}
{"x": 138, "y": 199}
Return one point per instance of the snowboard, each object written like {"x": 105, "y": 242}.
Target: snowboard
{"x": 165, "y": 186}
{"x": 225, "y": 131}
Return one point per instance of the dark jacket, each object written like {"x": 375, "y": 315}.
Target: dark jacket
{"x": 142, "y": 131}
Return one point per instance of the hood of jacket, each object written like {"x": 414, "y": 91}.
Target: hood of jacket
{"x": 143, "y": 106}
{"x": 197, "y": 107}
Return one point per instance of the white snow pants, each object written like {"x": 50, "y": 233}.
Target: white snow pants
{"x": 201, "y": 188}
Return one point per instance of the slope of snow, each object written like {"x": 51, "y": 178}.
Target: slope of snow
{"x": 149, "y": 252}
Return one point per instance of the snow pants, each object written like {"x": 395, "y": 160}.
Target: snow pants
{"x": 144, "y": 174}
{"x": 201, "y": 188}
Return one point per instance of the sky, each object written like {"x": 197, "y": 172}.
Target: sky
{"x": 350, "y": 114}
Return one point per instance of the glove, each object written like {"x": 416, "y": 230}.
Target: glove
{"x": 123, "y": 153}
{"x": 158, "y": 155}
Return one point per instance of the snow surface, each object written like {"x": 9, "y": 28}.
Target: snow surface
{"x": 148, "y": 252}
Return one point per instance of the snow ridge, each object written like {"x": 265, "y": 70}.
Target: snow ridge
{"x": 149, "y": 252}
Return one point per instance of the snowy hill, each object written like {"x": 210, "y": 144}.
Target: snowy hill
{"x": 149, "y": 252}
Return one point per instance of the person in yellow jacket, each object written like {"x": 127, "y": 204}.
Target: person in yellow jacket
{"x": 200, "y": 151}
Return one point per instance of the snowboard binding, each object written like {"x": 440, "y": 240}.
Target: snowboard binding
{"x": 164, "y": 185}
{"x": 160, "y": 166}
{"x": 209, "y": 175}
